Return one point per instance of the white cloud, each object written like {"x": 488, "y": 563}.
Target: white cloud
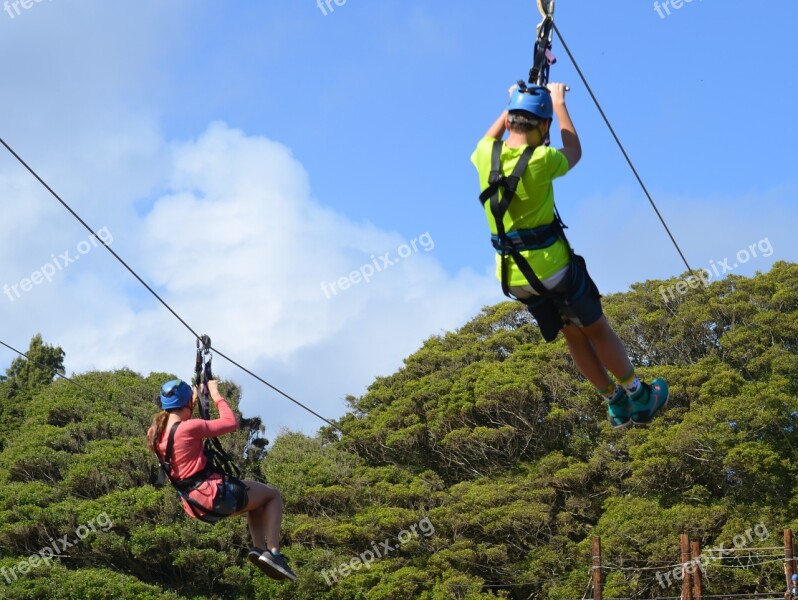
{"x": 239, "y": 248}
{"x": 226, "y": 227}
{"x": 238, "y": 245}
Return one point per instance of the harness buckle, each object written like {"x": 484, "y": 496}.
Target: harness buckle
{"x": 511, "y": 185}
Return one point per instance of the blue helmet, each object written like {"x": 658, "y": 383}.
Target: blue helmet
{"x": 175, "y": 394}
{"x": 795, "y": 576}
{"x": 536, "y": 100}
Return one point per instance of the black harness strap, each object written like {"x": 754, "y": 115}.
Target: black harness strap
{"x": 539, "y": 73}
{"x": 529, "y": 239}
{"x": 185, "y": 486}
{"x": 218, "y": 459}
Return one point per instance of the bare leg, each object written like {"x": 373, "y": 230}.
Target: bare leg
{"x": 609, "y": 348}
{"x": 585, "y": 357}
{"x": 265, "y": 515}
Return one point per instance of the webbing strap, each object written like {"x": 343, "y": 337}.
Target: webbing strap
{"x": 202, "y": 374}
{"x": 170, "y": 448}
{"x": 539, "y": 73}
{"x": 197, "y": 509}
{"x": 499, "y": 204}
{"x": 218, "y": 458}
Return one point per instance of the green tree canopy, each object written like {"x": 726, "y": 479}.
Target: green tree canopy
{"x": 43, "y": 363}
{"x": 482, "y": 468}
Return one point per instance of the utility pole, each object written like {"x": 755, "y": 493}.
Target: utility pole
{"x": 698, "y": 591}
{"x": 687, "y": 588}
{"x": 596, "y": 568}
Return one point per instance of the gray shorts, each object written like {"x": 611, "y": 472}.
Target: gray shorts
{"x": 577, "y": 301}
{"x": 230, "y": 498}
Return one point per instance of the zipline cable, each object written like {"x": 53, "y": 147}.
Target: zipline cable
{"x": 152, "y": 291}
{"x": 563, "y": 577}
{"x": 90, "y": 230}
{"x": 196, "y": 335}
{"x": 623, "y": 150}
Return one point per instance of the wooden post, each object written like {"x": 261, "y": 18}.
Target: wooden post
{"x": 596, "y": 568}
{"x": 687, "y": 588}
{"x": 698, "y": 591}
{"x": 789, "y": 560}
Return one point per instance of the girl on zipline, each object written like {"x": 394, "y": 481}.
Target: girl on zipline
{"x": 535, "y": 262}
{"x": 177, "y": 440}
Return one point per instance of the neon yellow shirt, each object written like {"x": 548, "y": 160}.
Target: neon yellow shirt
{"x": 533, "y": 205}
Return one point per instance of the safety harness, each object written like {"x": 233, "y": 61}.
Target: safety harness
{"x": 218, "y": 461}
{"x": 500, "y": 192}
{"x": 185, "y": 486}
{"x": 502, "y": 188}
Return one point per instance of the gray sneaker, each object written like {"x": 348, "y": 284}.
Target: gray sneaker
{"x": 254, "y": 557}
{"x": 278, "y": 564}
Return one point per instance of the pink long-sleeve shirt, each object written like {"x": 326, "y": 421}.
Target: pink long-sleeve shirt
{"x": 187, "y": 455}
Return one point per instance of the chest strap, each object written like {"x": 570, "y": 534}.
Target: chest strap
{"x": 500, "y": 192}
{"x": 184, "y": 486}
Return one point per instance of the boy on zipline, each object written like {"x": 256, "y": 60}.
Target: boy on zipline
{"x": 535, "y": 262}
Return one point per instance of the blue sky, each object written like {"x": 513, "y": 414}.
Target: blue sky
{"x": 243, "y": 153}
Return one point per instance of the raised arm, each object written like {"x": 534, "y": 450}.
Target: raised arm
{"x": 572, "y": 148}
{"x": 497, "y": 130}
{"x": 226, "y": 423}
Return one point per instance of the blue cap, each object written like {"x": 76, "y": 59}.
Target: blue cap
{"x": 175, "y": 394}
{"x": 795, "y": 576}
{"x": 536, "y": 100}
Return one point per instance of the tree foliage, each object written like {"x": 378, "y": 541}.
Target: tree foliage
{"x": 43, "y": 363}
{"x": 482, "y": 468}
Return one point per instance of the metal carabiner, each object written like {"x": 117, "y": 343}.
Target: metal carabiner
{"x": 546, "y": 8}
{"x": 202, "y": 370}
{"x": 543, "y": 57}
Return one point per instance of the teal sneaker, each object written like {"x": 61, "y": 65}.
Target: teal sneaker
{"x": 619, "y": 408}
{"x": 648, "y": 400}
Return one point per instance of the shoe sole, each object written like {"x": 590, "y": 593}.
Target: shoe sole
{"x": 659, "y": 408}
{"x": 266, "y": 567}
{"x": 253, "y": 558}
{"x": 274, "y": 567}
